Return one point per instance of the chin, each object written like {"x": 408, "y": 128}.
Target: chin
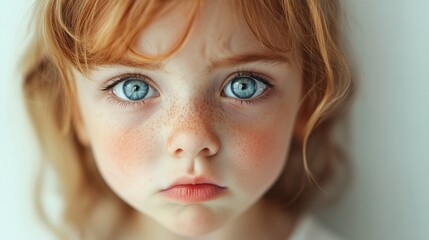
{"x": 194, "y": 221}
{"x": 194, "y": 231}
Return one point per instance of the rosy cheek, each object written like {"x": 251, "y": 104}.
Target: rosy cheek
{"x": 124, "y": 155}
{"x": 260, "y": 154}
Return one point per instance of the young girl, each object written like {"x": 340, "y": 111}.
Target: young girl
{"x": 187, "y": 119}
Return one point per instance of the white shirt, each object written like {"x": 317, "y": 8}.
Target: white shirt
{"x": 309, "y": 228}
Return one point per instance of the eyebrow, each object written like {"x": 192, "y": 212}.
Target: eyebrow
{"x": 271, "y": 57}
{"x": 152, "y": 66}
{"x": 234, "y": 60}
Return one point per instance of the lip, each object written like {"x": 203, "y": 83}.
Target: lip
{"x": 193, "y": 190}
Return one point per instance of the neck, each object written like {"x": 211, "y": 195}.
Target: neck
{"x": 262, "y": 221}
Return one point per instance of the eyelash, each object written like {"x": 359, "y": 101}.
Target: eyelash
{"x": 251, "y": 102}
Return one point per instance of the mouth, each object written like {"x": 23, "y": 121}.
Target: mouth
{"x": 193, "y": 190}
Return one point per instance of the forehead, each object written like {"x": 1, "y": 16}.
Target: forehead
{"x": 217, "y": 29}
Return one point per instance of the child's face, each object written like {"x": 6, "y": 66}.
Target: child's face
{"x": 196, "y": 116}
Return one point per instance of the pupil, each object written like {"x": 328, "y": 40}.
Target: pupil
{"x": 136, "y": 88}
{"x": 243, "y": 86}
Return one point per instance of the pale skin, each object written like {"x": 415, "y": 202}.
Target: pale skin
{"x": 191, "y": 125}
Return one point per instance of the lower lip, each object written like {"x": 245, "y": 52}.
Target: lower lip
{"x": 194, "y": 193}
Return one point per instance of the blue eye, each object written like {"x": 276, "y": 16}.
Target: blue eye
{"x": 133, "y": 89}
{"x": 244, "y": 87}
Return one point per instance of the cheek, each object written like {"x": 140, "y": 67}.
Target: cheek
{"x": 123, "y": 155}
{"x": 260, "y": 154}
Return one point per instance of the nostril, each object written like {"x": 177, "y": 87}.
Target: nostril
{"x": 205, "y": 151}
{"x": 178, "y": 151}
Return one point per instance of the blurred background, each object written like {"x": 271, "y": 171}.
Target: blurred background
{"x": 388, "y": 44}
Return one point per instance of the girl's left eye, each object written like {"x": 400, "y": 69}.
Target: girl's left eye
{"x": 245, "y": 86}
{"x": 133, "y": 89}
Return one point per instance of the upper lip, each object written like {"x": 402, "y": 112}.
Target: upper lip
{"x": 192, "y": 181}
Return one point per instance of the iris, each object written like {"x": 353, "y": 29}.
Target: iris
{"x": 135, "y": 89}
{"x": 243, "y": 87}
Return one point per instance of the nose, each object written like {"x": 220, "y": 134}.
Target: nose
{"x": 192, "y": 136}
{"x": 193, "y": 144}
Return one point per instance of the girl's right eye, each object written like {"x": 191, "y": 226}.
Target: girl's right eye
{"x": 133, "y": 89}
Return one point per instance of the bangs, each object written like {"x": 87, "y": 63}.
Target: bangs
{"x": 90, "y": 33}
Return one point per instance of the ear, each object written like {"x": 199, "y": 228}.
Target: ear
{"x": 79, "y": 128}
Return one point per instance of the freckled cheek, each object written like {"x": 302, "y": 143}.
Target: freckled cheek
{"x": 260, "y": 156}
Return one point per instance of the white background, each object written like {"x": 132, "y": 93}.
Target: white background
{"x": 389, "y": 46}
